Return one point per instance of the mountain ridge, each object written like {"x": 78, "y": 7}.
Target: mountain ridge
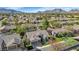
{"x": 4, "y": 10}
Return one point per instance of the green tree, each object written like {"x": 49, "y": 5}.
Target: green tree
{"x": 59, "y": 35}
{"x": 25, "y": 41}
{"x": 45, "y": 24}
{"x": 20, "y": 30}
{"x": 4, "y": 22}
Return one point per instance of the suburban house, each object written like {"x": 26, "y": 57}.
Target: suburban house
{"x": 76, "y": 38}
{"x": 10, "y": 18}
{"x": 9, "y": 41}
{"x": 75, "y": 29}
{"x": 7, "y": 28}
{"x": 55, "y": 31}
{"x": 36, "y": 37}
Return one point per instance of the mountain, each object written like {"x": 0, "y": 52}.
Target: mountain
{"x": 36, "y": 10}
{"x": 53, "y": 11}
{"x": 4, "y": 10}
{"x": 74, "y": 11}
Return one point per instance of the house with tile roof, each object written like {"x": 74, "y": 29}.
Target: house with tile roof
{"x": 7, "y": 41}
{"x": 35, "y": 38}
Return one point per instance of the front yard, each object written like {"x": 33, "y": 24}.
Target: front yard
{"x": 69, "y": 41}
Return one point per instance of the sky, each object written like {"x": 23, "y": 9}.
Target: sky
{"x": 36, "y": 9}
{"x": 39, "y": 5}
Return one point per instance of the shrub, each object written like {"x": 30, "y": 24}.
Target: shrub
{"x": 29, "y": 47}
{"x": 65, "y": 34}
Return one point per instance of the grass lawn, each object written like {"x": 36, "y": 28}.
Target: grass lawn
{"x": 69, "y": 41}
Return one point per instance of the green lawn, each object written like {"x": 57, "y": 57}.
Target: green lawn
{"x": 69, "y": 41}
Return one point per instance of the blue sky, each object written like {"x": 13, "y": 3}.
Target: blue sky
{"x": 36, "y": 9}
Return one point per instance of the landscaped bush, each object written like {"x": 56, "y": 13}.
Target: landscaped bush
{"x": 59, "y": 35}
{"x": 45, "y": 24}
{"x": 56, "y": 24}
{"x": 65, "y": 34}
{"x": 29, "y": 47}
{"x": 4, "y": 22}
